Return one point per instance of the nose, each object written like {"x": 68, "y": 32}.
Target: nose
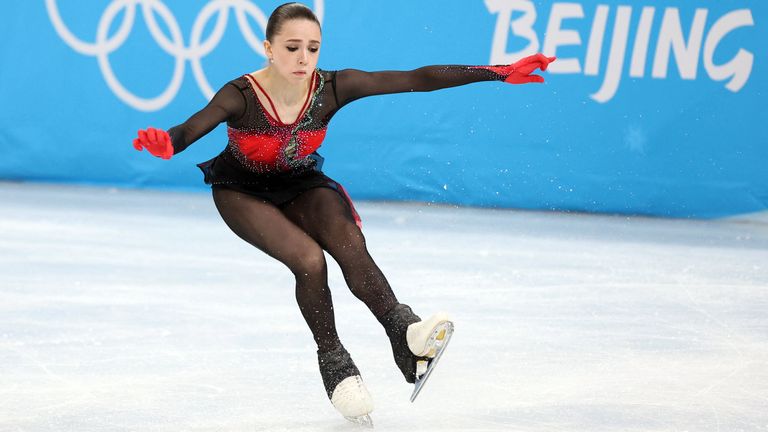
{"x": 302, "y": 57}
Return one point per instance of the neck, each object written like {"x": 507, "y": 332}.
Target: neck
{"x": 284, "y": 91}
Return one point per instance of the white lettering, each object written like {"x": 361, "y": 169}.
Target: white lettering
{"x": 672, "y": 41}
{"x": 671, "y": 37}
{"x": 616, "y": 58}
{"x": 740, "y": 67}
{"x": 522, "y": 27}
{"x": 595, "y": 45}
{"x": 640, "y": 51}
{"x": 556, "y": 37}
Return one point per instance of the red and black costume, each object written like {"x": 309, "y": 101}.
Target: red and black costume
{"x": 277, "y": 161}
{"x": 269, "y": 188}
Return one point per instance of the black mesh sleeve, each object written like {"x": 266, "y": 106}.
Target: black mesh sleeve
{"x": 351, "y": 84}
{"x": 228, "y": 104}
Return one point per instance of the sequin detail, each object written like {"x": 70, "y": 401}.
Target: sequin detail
{"x": 280, "y": 148}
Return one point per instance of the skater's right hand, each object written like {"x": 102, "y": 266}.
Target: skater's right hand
{"x": 156, "y": 141}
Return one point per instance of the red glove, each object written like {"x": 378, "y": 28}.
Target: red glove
{"x": 156, "y": 141}
{"x": 520, "y": 71}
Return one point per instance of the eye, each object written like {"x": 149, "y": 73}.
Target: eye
{"x": 292, "y": 48}
{"x": 314, "y": 50}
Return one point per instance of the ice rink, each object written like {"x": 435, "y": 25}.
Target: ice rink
{"x": 125, "y": 310}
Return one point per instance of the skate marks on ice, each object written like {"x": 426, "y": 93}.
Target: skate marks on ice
{"x": 568, "y": 322}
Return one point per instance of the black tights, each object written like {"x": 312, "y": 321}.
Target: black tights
{"x": 296, "y": 235}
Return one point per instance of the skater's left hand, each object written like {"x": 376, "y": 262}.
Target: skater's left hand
{"x": 520, "y": 71}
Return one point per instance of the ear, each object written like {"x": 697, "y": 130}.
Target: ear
{"x": 267, "y": 49}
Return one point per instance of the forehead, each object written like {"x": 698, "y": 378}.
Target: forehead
{"x": 299, "y": 29}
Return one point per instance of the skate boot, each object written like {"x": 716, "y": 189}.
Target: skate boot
{"x": 416, "y": 345}
{"x": 344, "y": 386}
{"x": 396, "y": 323}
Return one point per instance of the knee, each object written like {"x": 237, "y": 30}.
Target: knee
{"x": 310, "y": 263}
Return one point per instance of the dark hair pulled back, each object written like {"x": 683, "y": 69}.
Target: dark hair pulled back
{"x": 287, "y": 12}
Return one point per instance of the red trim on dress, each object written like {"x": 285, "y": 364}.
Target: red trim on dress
{"x": 358, "y": 221}
{"x": 267, "y": 147}
{"x": 278, "y": 120}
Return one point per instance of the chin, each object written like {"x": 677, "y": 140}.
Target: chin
{"x": 295, "y": 77}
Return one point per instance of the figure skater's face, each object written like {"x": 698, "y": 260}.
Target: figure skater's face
{"x": 295, "y": 49}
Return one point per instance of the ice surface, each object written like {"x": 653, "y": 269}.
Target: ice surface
{"x": 140, "y": 311}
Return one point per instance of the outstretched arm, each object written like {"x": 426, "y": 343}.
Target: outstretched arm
{"x": 227, "y": 104}
{"x": 354, "y": 84}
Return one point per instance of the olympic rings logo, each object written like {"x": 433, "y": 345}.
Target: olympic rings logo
{"x": 175, "y": 46}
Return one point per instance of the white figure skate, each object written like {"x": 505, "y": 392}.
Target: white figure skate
{"x": 428, "y": 339}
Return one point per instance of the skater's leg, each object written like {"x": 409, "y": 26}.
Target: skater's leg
{"x": 327, "y": 218}
{"x": 264, "y": 226}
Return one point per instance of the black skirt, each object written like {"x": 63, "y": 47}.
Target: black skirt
{"x": 277, "y": 188}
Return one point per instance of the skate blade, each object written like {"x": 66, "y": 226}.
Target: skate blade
{"x": 436, "y": 339}
{"x": 364, "y": 421}
{"x": 442, "y": 336}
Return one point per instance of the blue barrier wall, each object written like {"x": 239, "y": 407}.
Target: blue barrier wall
{"x": 654, "y": 107}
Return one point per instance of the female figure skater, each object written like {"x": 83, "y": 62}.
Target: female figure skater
{"x": 269, "y": 189}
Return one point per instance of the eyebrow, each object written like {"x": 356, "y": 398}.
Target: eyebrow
{"x": 300, "y": 40}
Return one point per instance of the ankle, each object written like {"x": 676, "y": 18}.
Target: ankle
{"x": 398, "y": 319}
{"x": 326, "y": 347}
